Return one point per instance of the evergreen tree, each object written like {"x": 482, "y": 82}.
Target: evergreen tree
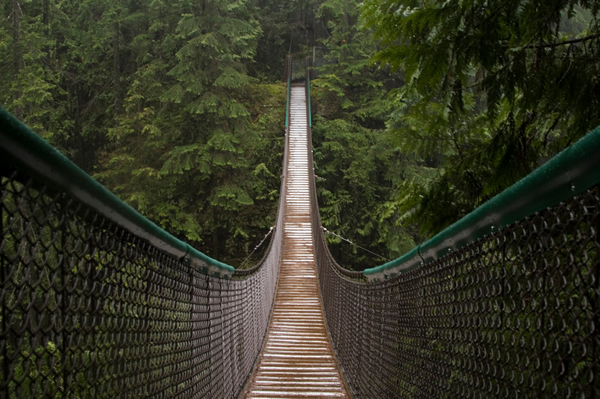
{"x": 358, "y": 166}
{"x": 187, "y": 150}
{"x": 29, "y": 83}
{"x": 156, "y": 99}
{"x": 287, "y": 28}
{"x": 493, "y": 89}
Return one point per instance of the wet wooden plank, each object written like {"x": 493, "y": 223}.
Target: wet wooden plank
{"x": 297, "y": 360}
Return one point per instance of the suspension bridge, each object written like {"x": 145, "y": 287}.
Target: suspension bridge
{"x": 98, "y": 302}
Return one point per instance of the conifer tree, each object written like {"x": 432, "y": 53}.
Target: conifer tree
{"x": 185, "y": 148}
{"x": 493, "y": 89}
{"x": 27, "y": 88}
{"x": 358, "y": 167}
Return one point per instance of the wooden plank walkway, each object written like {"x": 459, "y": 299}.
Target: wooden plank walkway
{"x": 297, "y": 360}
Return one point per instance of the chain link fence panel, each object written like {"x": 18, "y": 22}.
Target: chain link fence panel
{"x": 89, "y": 310}
{"x": 512, "y": 315}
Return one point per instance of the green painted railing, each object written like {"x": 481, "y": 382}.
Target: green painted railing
{"x": 307, "y": 74}
{"x": 288, "y": 75}
{"x": 24, "y": 148}
{"x": 572, "y": 171}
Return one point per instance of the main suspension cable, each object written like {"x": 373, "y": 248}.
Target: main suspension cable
{"x": 256, "y": 247}
{"x": 351, "y": 243}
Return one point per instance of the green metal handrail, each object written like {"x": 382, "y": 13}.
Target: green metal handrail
{"x": 288, "y": 73}
{"x": 25, "y": 149}
{"x": 571, "y": 172}
{"x": 307, "y": 74}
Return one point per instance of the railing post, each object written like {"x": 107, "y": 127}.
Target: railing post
{"x": 288, "y": 77}
{"x": 308, "y": 69}
{"x": 4, "y": 339}
{"x": 63, "y": 303}
{"x": 192, "y": 341}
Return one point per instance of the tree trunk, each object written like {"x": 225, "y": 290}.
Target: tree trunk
{"x": 46, "y": 22}
{"x": 117, "y": 70}
{"x": 17, "y": 53}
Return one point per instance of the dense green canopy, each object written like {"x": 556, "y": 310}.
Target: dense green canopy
{"x": 493, "y": 87}
{"x": 423, "y": 109}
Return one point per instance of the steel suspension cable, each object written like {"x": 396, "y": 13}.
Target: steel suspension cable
{"x": 352, "y": 243}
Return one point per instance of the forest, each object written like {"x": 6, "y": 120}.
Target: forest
{"x": 422, "y": 109}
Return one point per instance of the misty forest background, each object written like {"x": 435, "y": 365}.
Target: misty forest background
{"x": 423, "y": 109}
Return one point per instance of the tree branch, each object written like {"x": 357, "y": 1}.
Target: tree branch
{"x": 583, "y": 39}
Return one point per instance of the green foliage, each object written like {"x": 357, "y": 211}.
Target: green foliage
{"x": 359, "y": 168}
{"x": 493, "y": 89}
{"x": 357, "y": 172}
{"x": 287, "y": 28}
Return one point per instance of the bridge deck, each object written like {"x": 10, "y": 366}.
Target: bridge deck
{"x": 297, "y": 360}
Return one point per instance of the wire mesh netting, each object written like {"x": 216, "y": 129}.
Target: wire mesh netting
{"x": 320, "y": 58}
{"x": 89, "y": 310}
{"x": 515, "y": 314}
{"x": 298, "y": 70}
